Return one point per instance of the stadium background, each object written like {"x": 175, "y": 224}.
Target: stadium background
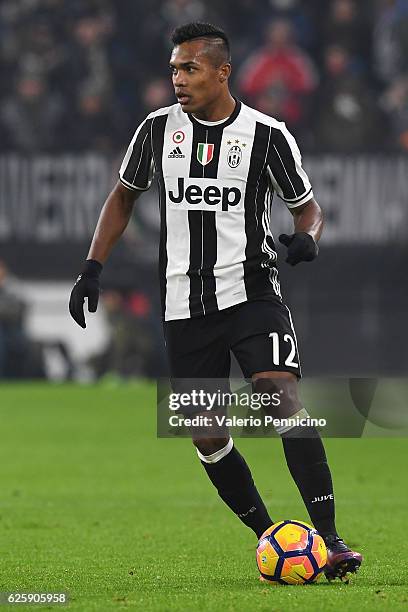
{"x": 78, "y": 77}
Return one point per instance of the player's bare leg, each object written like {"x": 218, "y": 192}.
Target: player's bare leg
{"x": 307, "y": 463}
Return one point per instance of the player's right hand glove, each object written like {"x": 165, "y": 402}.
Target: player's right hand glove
{"x": 87, "y": 286}
{"x": 301, "y": 247}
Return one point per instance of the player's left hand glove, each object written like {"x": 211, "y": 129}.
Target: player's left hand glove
{"x": 301, "y": 247}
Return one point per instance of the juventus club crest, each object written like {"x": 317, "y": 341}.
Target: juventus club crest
{"x": 234, "y": 156}
{"x": 205, "y": 152}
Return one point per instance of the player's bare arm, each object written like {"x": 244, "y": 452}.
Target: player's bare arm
{"x": 112, "y": 222}
{"x": 308, "y": 225}
{"x": 309, "y": 218}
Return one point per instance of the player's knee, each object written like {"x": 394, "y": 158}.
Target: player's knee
{"x": 267, "y": 385}
{"x": 279, "y": 395}
{"x": 208, "y": 448}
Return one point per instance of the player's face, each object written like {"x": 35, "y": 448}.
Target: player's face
{"x": 197, "y": 82}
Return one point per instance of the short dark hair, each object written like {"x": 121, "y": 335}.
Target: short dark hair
{"x": 207, "y": 31}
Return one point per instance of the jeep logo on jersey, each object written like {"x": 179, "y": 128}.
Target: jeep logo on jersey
{"x": 205, "y": 197}
{"x": 234, "y": 156}
{"x": 205, "y": 152}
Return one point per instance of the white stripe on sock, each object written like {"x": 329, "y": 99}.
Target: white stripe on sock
{"x": 301, "y": 414}
{"x": 218, "y": 455}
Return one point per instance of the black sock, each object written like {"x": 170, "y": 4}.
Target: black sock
{"x": 232, "y": 478}
{"x": 307, "y": 463}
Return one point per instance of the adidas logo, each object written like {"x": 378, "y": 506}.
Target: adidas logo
{"x": 176, "y": 153}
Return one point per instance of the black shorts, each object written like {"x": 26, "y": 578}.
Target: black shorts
{"x": 260, "y": 334}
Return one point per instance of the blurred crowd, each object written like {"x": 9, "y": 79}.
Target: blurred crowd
{"x": 80, "y": 75}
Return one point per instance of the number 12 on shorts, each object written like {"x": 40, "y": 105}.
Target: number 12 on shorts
{"x": 276, "y": 350}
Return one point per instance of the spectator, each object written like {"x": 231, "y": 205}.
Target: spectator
{"x": 348, "y": 118}
{"x": 395, "y": 103}
{"x": 301, "y": 16}
{"x": 279, "y": 69}
{"x": 391, "y": 40}
{"x": 89, "y": 63}
{"x": 348, "y": 27}
{"x": 249, "y": 17}
{"x": 157, "y": 93}
{"x": 391, "y": 54}
{"x": 40, "y": 52}
{"x": 175, "y": 12}
{"x": 97, "y": 127}
{"x": 30, "y": 116}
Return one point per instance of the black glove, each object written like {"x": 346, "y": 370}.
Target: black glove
{"x": 87, "y": 286}
{"x": 301, "y": 247}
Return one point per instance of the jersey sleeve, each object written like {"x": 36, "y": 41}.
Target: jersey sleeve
{"x": 137, "y": 169}
{"x": 288, "y": 178}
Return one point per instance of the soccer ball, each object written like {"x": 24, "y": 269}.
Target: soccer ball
{"x": 291, "y": 552}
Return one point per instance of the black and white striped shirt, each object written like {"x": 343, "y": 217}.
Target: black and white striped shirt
{"x": 216, "y": 183}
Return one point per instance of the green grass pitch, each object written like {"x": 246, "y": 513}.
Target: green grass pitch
{"x": 92, "y": 503}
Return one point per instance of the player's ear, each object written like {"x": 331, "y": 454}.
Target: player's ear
{"x": 224, "y": 72}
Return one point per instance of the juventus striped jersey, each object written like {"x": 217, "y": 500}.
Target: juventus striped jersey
{"x": 216, "y": 183}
